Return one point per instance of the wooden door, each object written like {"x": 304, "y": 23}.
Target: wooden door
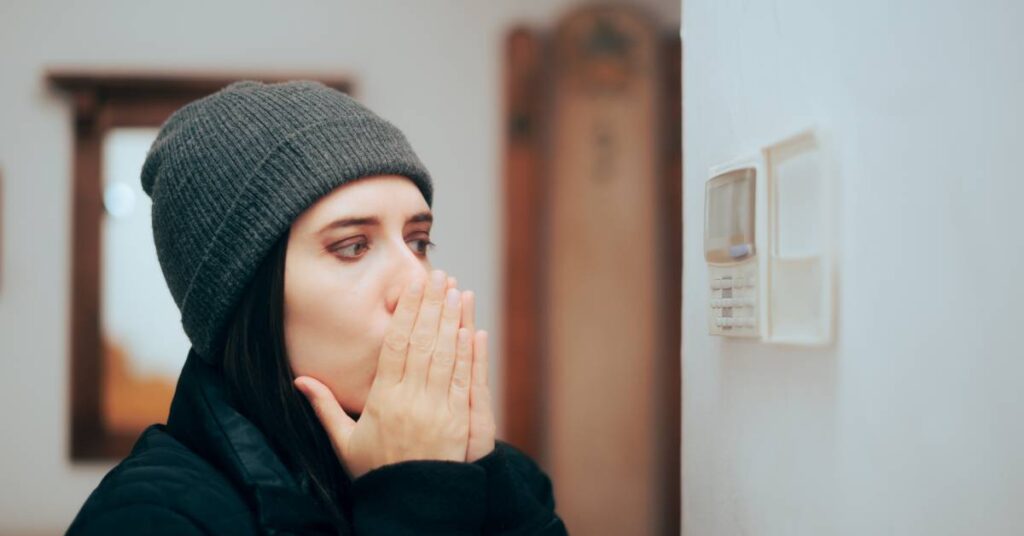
{"x": 592, "y": 355}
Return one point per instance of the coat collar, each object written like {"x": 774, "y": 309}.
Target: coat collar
{"x": 203, "y": 418}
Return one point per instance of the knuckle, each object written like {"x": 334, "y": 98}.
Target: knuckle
{"x": 421, "y": 342}
{"x": 396, "y": 341}
{"x": 460, "y": 383}
{"x": 444, "y": 355}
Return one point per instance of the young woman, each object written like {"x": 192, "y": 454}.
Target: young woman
{"x": 336, "y": 382}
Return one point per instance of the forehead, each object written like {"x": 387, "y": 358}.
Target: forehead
{"x": 385, "y": 196}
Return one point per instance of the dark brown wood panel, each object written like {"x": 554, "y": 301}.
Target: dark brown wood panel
{"x": 523, "y": 212}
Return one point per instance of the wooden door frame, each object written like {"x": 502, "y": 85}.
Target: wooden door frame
{"x": 526, "y": 104}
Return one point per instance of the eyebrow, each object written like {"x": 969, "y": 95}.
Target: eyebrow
{"x": 372, "y": 221}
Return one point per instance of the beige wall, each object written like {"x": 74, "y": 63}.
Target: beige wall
{"x": 433, "y": 68}
{"x": 912, "y": 423}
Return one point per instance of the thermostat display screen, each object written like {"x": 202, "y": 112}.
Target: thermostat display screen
{"x": 729, "y": 227}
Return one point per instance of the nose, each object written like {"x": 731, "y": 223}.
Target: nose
{"x": 406, "y": 268}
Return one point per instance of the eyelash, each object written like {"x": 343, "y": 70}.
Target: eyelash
{"x": 429, "y": 246}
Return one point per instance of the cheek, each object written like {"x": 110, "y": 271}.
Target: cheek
{"x": 333, "y": 333}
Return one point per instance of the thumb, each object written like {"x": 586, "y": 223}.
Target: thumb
{"x": 332, "y": 417}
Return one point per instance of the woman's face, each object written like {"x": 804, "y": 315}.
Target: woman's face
{"x": 349, "y": 256}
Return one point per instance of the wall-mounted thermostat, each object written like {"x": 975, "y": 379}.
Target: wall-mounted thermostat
{"x": 768, "y": 243}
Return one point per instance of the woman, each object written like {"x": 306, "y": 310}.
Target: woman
{"x": 336, "y": 382}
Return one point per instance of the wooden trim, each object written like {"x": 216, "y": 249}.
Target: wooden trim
{"x": 669, "y": 445}
{"x": 133, "y": 85}
{"x": 88, "y": 437}
{"x": 103, "y": 100}
{"x": 523, "y": 228}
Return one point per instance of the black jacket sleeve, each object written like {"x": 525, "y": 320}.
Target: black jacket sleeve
{"x": 504, "y": 494}
{"x": 139, "y": 519}
{"x": 520, "y": 498}
{"x": 420, "y": 497}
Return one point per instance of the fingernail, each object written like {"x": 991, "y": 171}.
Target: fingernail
{"x": 416, "y": 286}
{"x": 453, "y": 297}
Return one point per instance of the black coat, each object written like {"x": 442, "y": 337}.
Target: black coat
{"x": 209, "y": 470}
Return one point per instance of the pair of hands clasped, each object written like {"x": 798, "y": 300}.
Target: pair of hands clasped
{"x": 429, "y": 400}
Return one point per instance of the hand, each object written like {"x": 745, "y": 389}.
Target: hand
{"x": 418, "y": 404}
{"x": 481, "y": 417}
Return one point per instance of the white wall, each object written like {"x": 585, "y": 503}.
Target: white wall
{"x": 433, "y": 68}
{"x": 912, "y": 423}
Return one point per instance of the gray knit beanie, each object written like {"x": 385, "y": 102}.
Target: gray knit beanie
{"x": 229, "y": 173}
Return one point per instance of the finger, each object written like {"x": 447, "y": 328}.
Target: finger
{"x": 479, "y": 393}
{"x": 452, "y": 282}
{"x": 480, "y": 359}
{"x": 468, "y": 310}
{"x": 394, "y": 350}
{"x": 424, "y": 332}
{"x": 458, "y": 394}
{"x": 440, "y": 376}
{"x": 332, "y": 417}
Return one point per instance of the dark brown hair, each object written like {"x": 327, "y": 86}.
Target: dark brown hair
{"x": 259, "y": 380}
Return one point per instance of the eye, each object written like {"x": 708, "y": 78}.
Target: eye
{"x": 425, "y": 245}
{"x": 353, "y": 248}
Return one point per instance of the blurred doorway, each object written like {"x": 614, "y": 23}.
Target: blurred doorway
{"x": 593, "y": 266}
{"x": 127, "y": 344}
